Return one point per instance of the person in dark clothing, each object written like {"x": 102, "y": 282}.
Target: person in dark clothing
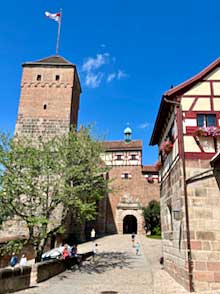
{"x": 13, "y": 260}
{"x": 74, "y": 250}
{"x": 133, "y": 239}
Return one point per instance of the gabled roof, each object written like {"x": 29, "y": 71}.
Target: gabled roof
{"x": 51, "y": 60}
{"x": 173, "y": 93}
{"x": 122, "y": 145}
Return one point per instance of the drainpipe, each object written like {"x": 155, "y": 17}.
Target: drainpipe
{"x": 189, "y": 253}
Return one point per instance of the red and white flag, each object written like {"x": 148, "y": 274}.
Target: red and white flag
{"x": 54, "y": 16}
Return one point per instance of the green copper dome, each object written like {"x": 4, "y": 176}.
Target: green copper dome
{"x": 127, "y": 131}
{"x": 127, "y": 134}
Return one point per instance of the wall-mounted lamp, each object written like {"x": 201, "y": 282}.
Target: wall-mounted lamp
{"x": 177, "y": 214}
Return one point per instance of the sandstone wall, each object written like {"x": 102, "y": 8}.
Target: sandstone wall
{"x": 137, "y": 190}
{"x": 16, "y": 279}
{"x": 204, "y": 219}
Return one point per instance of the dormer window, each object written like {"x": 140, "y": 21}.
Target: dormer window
{"x": 57, "y": 77}
{"x": 206, "y": 120}
{"x": 38, "y": 77}
{"x": 119, "y": 157}
{"x": 133, "y": 157}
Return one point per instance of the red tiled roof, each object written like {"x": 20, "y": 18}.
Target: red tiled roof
{"x": 149, "y": 169}
{"x": 172, "y": 94}
{"x": 122, "y": 145}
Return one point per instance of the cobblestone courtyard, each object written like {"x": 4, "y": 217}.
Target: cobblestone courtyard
{"x": 116, "y": 268}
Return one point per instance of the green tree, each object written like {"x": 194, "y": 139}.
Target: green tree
{"x": 41, "y": 182}
{"x": 152, "y": 217}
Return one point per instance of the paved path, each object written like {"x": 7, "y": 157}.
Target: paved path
{"x": 116, "y": 268}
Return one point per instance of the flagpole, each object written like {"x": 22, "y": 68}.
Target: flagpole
{"x": 58, "y": 33}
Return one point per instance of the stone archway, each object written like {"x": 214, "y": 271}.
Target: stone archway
{"x": 129, "y": 224}
{"x": 130, "y": 208}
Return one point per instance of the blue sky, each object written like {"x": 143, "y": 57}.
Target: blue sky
{"x": 127, "y": 54}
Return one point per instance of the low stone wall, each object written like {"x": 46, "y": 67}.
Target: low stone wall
{"x": 46, "y": 269}
{"x": 12, "y": 280}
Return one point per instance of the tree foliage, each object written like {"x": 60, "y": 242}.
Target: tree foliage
{"x": 152, "y": 217}
{"x": 42, "y": 180}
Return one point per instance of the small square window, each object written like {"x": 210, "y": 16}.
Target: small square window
{"x": 38, "y": 77}
{"x": 119, "y": 157}
{"x": 133, "y": 157}
{"x": 57, "y": 77}
{"x": 126, "y": 176}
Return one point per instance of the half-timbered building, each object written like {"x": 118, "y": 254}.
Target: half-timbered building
{"x": 187, "y": 132}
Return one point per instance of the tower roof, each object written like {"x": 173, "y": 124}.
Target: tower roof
{"x": 55, "y": 60}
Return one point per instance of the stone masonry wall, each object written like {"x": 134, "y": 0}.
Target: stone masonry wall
{"x": 46, "y": 107}
{"x": 204, "y": 217}
{"x": 136, "y": 187}
{"x": 173, "y": 231}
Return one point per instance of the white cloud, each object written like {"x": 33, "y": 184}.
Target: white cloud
{"x": 94, "y": 70}
{"x": 111, "y": 77}
{"x": 94, "y": 63}
{"x": 121, "y": 74}
{"x": 93, "y": 80}
{"x": 144, "y": 125}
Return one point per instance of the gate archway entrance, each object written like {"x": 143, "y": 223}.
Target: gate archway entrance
{"x": 129, "y": 224}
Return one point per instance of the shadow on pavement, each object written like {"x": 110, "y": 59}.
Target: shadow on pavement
{"x": 106, "y": 261}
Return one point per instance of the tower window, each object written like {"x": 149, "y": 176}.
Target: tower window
{"x": 38, "y": 77}
{"x": 45, "y": 106}
{"x": 126, "y": 176}
{"x": 133, "y": 157}
{"x": 57, "y": 77}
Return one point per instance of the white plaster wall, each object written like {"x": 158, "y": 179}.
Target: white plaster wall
{"x": 190, "y": 122}
{"x": 216, "y": 104}
{"x": 190, "y": 144}
{"x": 215, "y": 75}
{"x": 202, "y": 88}
{"x": 186, "y": 103}
{"x": 202, "y": 104}
{"x": 216, "y": 88}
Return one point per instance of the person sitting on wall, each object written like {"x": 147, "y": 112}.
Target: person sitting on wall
{"x": 23, "y": 260}
{"x": 65, "y": 253}
{"x": 74, "y": 250}
{"x": 13, "y": 260}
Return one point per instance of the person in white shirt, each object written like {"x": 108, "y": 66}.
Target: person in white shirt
{"x": 23, "y": 260}
{"x": 93, "y": 234}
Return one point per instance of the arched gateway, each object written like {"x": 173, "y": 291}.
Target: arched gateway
{"x": 129, "y": 216}
{"x": 129, "y": 224}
